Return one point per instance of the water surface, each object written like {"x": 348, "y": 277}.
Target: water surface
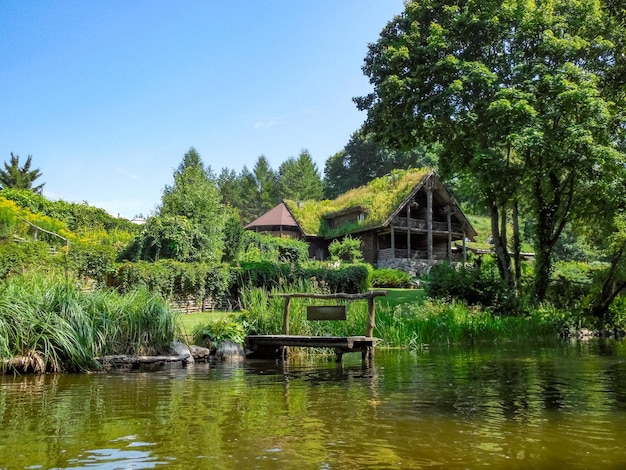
{"x": 506, "y": 406}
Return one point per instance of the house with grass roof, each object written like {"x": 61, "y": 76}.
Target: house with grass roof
{"x": 405, "y": 215}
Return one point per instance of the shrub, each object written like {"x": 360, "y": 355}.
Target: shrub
{"x": 476, "y": 286}
{"x": 258, "y": 247}
{"x": 173, "y": 279}
{"x": 350, "y": 278}
{"x": 348, "y": 249}
{"x": 391, "y": 278}
{"x": 211, "y": 334}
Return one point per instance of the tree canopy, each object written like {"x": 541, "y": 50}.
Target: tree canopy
{"x": 15, "y": 177}
{"x": 300, "y": 178}
{"x": 520, "y": 95}
{"x": 365, "y": 158}
{"x": 189, "y": 225}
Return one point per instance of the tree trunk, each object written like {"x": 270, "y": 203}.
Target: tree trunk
{"x": 517, "y": 244}
{"x": 499, "y": 244}
{"x": 610, "y": 289}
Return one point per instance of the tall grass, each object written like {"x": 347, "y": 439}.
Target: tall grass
{"x": 47, "y": 324}
{"x": 410, "y": 325}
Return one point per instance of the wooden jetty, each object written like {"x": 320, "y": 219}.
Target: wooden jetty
{"x": 278, "y": 345}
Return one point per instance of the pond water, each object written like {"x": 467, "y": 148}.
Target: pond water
{"x": 507, "y": 406}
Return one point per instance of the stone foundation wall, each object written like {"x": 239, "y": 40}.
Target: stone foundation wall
{"x": 415, "y": 267}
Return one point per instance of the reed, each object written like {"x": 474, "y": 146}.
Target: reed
{"x": 47, "y": 324}
{"x": 410, "y": 325}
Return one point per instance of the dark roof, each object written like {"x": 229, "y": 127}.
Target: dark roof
{"x": 279, "y": 216}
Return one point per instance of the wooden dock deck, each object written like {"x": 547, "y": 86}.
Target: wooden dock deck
{"x": 276, "y": 345}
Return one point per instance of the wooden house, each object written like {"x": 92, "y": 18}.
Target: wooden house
{"x": 406, "y": 215}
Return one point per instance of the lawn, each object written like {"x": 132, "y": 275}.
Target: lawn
{"x": 401, "y": 296}
{"x": 189, "y": 321}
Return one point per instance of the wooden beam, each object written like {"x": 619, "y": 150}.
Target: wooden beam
{"x": 429, "y": 220}
{"x": 286, "y": 316}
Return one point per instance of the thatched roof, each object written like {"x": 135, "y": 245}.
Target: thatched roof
{"x": 380, "y": 199}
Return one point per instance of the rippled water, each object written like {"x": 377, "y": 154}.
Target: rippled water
{"x": 540, "y": 406}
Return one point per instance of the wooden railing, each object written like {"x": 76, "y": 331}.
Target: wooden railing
{"x": 419, "y": 224}
{"x": 390, "y": 253}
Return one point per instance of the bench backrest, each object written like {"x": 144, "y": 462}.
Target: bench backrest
{"x": 326, "y": 312}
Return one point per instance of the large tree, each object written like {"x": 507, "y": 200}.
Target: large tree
{"x": 259, "y": 189}
{"x": 365, "y": 158}
{"x": 16, "y": 177}
{"x": 299, "y": 178}
{"x": 194, "y": 195}
{"x": 517, "y": 94}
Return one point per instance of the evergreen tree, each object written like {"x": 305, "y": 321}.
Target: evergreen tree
{"x": 16, "y": 177}
{"x": 300, "y": 179}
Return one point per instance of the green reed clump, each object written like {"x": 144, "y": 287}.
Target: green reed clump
{"x": 48, "y": 324}
{"x": 439, "y": 322}
{"x": 410, "y": 325}
{"x": 263, "y": 312}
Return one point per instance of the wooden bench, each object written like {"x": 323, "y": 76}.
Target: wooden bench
{"x": 278, "y": 345}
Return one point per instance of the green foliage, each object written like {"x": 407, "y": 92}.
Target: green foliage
{"x": 259, "y": 190}
{"x": 194, "y": 196}
{"x": 20, "y": 178}
{"x": 265, "y": 274}
{"x": 351, "y": 278}
{"x": 299, "y": 178}
{"x": 174, "y": 280}
{"x": 18, "y": 258}
{"x": 92, "y": 262}
{"x": 80, "y": 218}
{"x": 442, "y": 322}
{"x": 365, "y": 158}
{"x": 476, "y": 286}
{"x": 8, "y": 222}
{"x": 216, "y": 332}
{"x": 391, "y": 278}
{"x": 379, "y": 198}
{"x": 262, "y": 247}
{"x": 164, "y": 237}
{"x": 49, "y": 325}
{"x": 233, "y": 236}
{"x": 348, "y": 249}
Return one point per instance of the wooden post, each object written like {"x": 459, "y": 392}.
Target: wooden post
{"x": 408, "y": 230}
{"x": 371, "y": 313}
{"x": 393, "y": 242}
{"x": 449, "y": 219}
{"x": 286, "y": 316}
{"x": 429, "y": 219}
{"x": 464, "y": 249}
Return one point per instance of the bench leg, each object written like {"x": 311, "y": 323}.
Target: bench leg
{"x": 338, "y": 355}
{"x": 367, "y": 354}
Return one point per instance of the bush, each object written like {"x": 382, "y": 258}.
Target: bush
{"x": 173, "y": 279}
{"x": 391, "y": 278}
{"x": 214, "y": 333}
{"x": 348, "y": 249}
{"x": 258, "y": 247}
{"x": 351, "y": 278}
{"x": 476, "y": 286}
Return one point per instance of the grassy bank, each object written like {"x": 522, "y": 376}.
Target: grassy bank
{"x": 47, "y": 324}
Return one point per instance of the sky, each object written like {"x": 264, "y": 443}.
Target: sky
{"x": 107, "y": 96}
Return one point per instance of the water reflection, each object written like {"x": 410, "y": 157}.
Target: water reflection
{"x": 526, "y": 406}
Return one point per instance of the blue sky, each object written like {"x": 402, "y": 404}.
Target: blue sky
{"x": 107, "y": 96}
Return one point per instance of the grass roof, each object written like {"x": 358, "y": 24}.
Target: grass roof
{"x": 378, "y": 199}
